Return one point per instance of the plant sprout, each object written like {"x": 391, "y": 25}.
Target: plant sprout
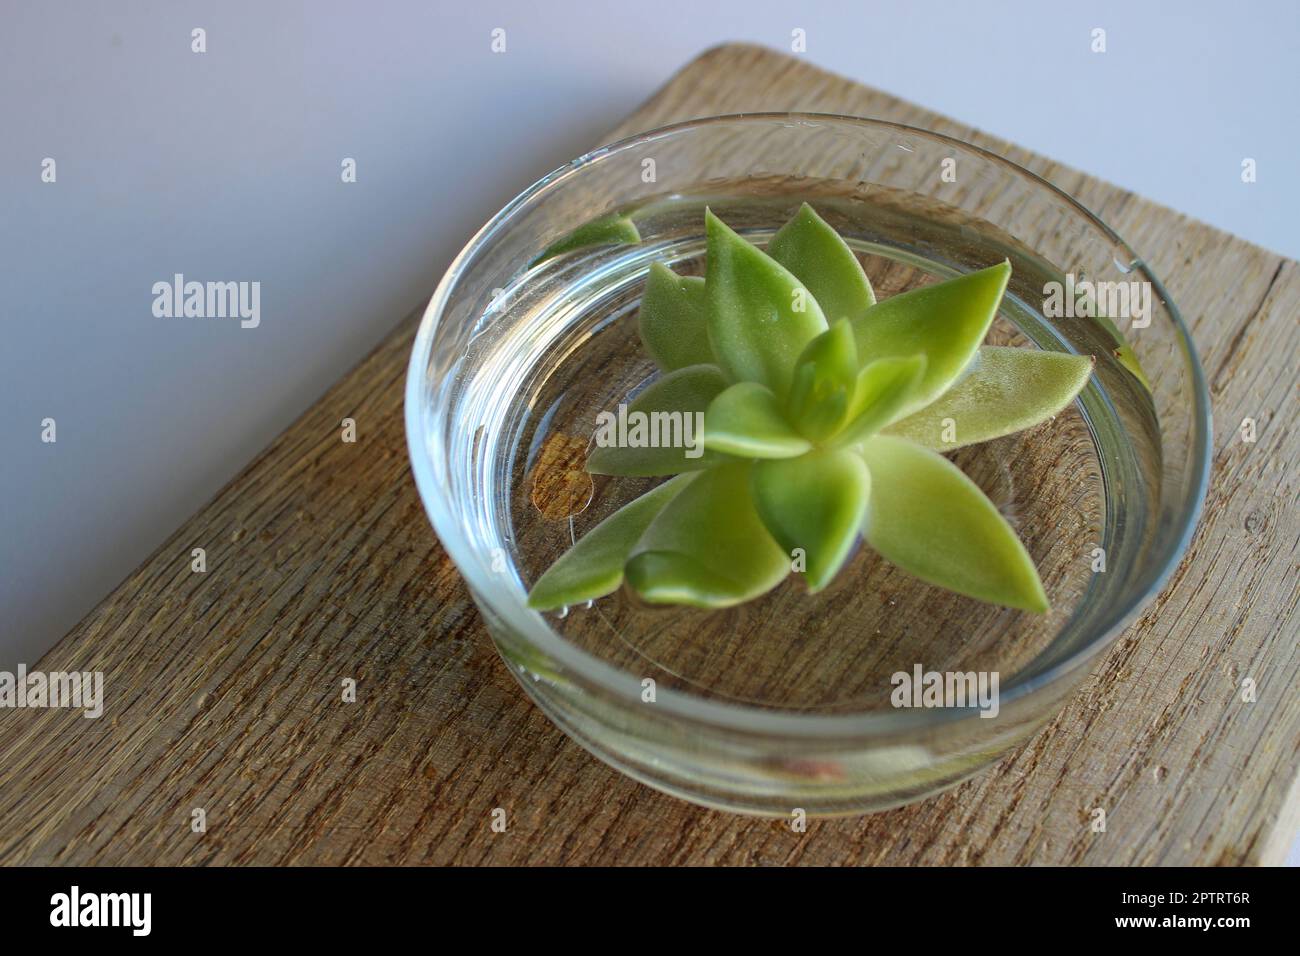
{"x": 824, "y": 414}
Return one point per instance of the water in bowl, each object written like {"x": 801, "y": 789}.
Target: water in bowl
{"x": 1063, "y": 485}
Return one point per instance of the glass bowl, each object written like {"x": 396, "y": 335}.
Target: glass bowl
{"x": 790, "y": 702}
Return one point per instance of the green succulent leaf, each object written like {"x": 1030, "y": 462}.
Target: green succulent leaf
{"x": 1007, "y": 390}
{"x": 932, "y": 521}
{"x": 945, "y": 322}
{"x": 593, "y": 567}
{"x": 884, "y": 388}
{"x": 672, "y": 321}
{"x": 746, "y": 421}
{"x": 816, "y": 502}
{"x": 611, "y": 230}
{"x": 817, "y": 256}
{"x": 791, "y": 437}
{"x": 760, "y": 316}
{"x": 824, "y": 381}
{"x": 680, "y": 395}
{"x": 708, "y": 547}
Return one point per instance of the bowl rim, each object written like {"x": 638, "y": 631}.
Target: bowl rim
{"x": 593, "y": 674}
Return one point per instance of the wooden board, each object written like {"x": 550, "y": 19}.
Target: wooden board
{"x": 223, "y": 688}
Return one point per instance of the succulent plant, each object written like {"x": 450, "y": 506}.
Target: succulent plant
{"x": 824, "y": 417}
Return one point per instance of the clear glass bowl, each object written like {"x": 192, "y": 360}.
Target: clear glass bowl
{"x": 785, "y": 703}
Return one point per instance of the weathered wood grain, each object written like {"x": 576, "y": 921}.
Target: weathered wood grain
{"x": 224, "y": 689}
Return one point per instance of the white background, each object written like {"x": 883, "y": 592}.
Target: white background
{"x": 225, "y": 166}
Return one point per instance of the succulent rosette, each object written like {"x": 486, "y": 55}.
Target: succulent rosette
{"x": 825, "y": 417}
